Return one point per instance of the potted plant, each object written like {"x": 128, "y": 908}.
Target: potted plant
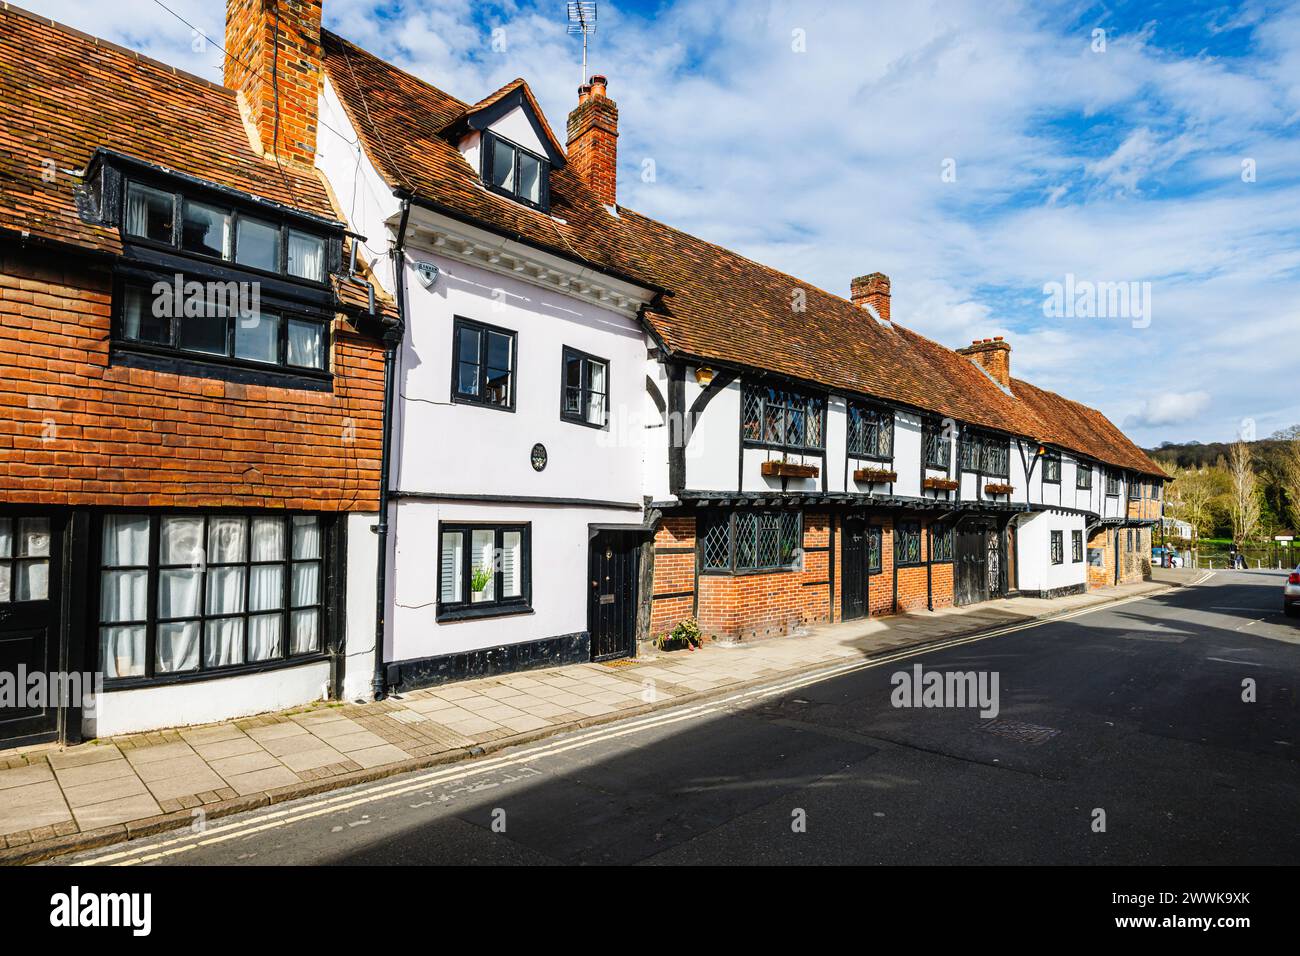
{"x": 875, "y": 475}
{"x": 780, "y": 468}
{"x": 997, "y": 488}
{"x": 479, "y": 579}
{"x": 940, "y": 484}
{"x": 685, "y": 633}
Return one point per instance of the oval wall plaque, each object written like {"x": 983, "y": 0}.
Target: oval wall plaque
{"x": 538, "y": 457}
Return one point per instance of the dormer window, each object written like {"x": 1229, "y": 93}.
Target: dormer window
{"x": 515, "y": 172}
{"x": 167, "y": 218}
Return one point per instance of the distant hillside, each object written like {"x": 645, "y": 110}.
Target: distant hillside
{"x": 1194, "y": 454}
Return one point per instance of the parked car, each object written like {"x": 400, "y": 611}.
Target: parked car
{"x": 1291, "y": 594}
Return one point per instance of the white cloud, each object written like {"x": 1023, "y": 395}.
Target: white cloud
{"x": 1170, "y": 408}
{"x": 1120, "y": 166}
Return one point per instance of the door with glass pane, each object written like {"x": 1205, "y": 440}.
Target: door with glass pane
{"x": 29, "y": 607}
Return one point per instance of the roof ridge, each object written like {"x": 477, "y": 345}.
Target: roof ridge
{"x": 26, "y": 14}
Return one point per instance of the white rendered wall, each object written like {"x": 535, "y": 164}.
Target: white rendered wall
{"x": 1034, "y": 568}
{"x": 559, "y": 539}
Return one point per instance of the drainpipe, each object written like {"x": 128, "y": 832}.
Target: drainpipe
{"x": 392, "y": 339}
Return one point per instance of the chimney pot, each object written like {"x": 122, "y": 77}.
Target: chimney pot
{"x": 871, "y": 290}
{"x": 593, "y": 139}
{"x": 993, "y": 355}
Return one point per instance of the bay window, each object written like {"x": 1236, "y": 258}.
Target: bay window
{"x": 191, "y": 594}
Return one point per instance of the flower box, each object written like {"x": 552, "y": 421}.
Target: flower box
{"x": 875, "y": 475}
{"x": 941, "y": 484}
{"x": 998, "y": 489}
{"x": 788, "y": 469}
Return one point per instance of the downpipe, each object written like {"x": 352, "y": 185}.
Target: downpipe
{"x": 392, "y": 341}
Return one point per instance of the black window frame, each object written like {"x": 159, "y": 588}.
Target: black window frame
{"x": 1112, "y": 483}
{"x": 180, "y": 194}
{"x": 328, "y": 562}
{"x": 875, "y": 545}
{"x": 936, "y": 449}
{"x": 467, "y": 609}
{"x": 463, "y": 398}
{"x": 768, "y": 396}
{"x": 1076, "y": 547}
{"x": 1052, "y": 475}
{"x": 284, "y": 310}
{"x": 732, "y": 521}
{"x": 487, "y": 158}
{"x": 585, "y": 359}
{"x": 1057, "y": 545}
{"x": 869, "y": 431}
{"x": 907, "y": 534}
{"x": 942, "y": 542}
{"x": 1082, "y": 476}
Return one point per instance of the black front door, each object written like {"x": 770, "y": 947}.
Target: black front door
{"x": 853, "y": 601}
{"x": 971, "y": 564}
{"x": 29, "y": 626}
{"x": 611, "y": 610}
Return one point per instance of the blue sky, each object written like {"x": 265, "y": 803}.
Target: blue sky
{"x": 975, "y": 152}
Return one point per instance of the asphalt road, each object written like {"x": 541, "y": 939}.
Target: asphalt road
{"x": 1134, "y": 709}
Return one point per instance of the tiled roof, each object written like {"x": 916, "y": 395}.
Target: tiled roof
{"x": 727, "y": 308}
{"x": 64, "y": 94}
{"x": 401, "y": 121}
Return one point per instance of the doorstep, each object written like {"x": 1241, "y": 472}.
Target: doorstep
{"x": 58, "y": 800}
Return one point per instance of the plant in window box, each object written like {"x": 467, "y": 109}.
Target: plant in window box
{"x": 686, "y": 633}
{"x": 997, "y": 488}
{"x": 875, "y": 475}
{"x": 940, "y": 484}
{"x": 780, "y": 468}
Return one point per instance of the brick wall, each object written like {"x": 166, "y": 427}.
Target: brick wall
{"x": 592, "y": 146}
{"x": 747, "y": 606}
{"x": 673, "y": 590}
{"x": 293, "y": 55}
{"x": 76, "y": 430}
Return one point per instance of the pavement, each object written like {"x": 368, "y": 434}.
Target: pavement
{"x": 55, "y": 801}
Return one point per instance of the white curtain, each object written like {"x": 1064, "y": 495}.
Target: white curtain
{"x": 121, "y": 651}
{"x": 306, "y": 583}
{"x": 178, "y": 646}
{"x": 182, "y": 540}
{"x": 178, "y": 592}
{"x": 6, "y": 537}
{"x": 306, "y": 256}
{"x": 306, "y": 537}
{"x": 264, "y": 636}
{"x": 306, "y": 631}
{"x": 227, "y": 539}
{"x": 225, "y": 643}
{"x": 305, "y": 341}
{"x": 268, "y": 539}
{"x": 596, "y": 395}
{"x": 126, "y": 540}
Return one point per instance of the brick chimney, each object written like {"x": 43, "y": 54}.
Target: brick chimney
{"x": 270, "y": 45}
{"x": 593, "y": 139}
{"x": 872, "y": 290}
{"x": 993, "y": 355}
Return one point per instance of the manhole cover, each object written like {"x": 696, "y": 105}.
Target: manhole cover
{"x": 1019, "y": 731}
{"x": 1149, "y": 636}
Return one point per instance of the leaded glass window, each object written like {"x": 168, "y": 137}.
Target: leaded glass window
{"x": 941, "y": 542}
{"x": 907, "y": 543}
{"x": 752, "y": 541}
{"x": 935, "y": 444}
{"x": 1052, "y": 466}
{"x": 783, "y": 418}
{"x": 870, "y": 431}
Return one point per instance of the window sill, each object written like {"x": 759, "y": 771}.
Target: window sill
{"x": 475, "y": 613}
{"x": 475, "y": 403}
{"x": 745, "y": 572}
{"x": 133, "y": 355}
{"x": 190, "y": 677}
{"x": 604, "y": 426}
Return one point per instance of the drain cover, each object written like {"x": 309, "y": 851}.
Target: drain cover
{"x": 1019, "y": 731}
